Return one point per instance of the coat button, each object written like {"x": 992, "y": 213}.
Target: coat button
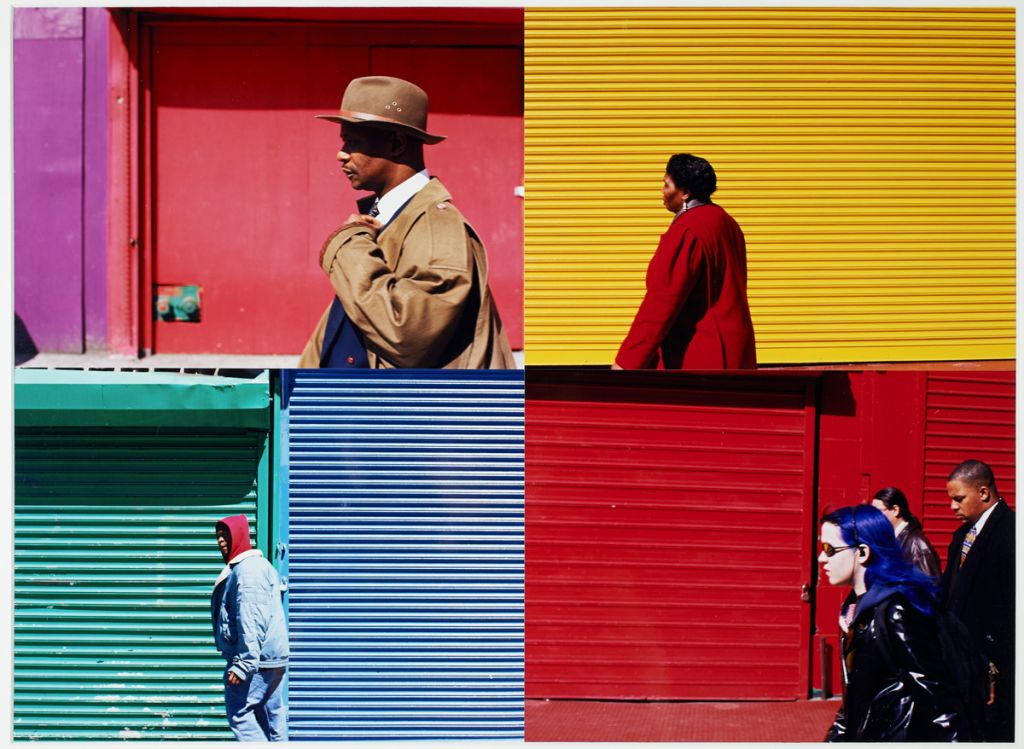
{"x": 351, "y": 360}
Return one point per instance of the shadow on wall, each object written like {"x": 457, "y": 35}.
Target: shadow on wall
{"x": 24, "y": 347}
{"x": 837, "y": 398}
{"x": 669, "y": 388}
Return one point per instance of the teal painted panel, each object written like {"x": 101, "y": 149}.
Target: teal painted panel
{"x": 115, "y": 558}
{"x": 65, "y": 398}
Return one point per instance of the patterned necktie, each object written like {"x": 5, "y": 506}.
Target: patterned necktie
{"x": 968, "y": 541}
{"x": 374, "y": 209}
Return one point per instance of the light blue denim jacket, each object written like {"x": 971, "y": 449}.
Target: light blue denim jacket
{"x": 248, "y": 618}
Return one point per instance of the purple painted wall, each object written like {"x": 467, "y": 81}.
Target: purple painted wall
{"x": 97, "y": 117}
{"x": 60, "y": 156}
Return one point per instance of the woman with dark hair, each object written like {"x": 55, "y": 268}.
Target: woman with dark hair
{"x": 898, "y": 687}
{"x": 913, "y": 543}
{"x": 695, "y": 313}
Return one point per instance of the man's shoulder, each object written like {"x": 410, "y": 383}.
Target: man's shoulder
{"x": 255, "y": 565}
{"x": 1004, "y": 512}
{"x": 434, "y": 208}
{"x": 1003, "y": 522}
{"x": 916, "y": 535}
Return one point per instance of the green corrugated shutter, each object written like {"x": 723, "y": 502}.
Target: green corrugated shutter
{"x": 868, "y": 154}
{"x": 114, "y": 564}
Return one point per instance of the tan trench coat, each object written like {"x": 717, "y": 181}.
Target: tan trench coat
{"x": 417, "y": 292}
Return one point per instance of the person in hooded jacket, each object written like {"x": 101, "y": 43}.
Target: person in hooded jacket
{"x": 250, "y": 632}
{"x": 897, "y": 685}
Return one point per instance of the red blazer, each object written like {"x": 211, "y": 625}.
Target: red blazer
{"x": 695, "y": 313}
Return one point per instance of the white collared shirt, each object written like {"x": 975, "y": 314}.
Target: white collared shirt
{"x": 984, "y": 517}
{"x": 899, "y": 528}
{"x": 395, "y": 198}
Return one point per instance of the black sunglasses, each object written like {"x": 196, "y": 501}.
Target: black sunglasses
{"x": 831, "y": 551}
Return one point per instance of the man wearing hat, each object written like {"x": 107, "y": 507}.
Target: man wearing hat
{"x": 409, "y": 272}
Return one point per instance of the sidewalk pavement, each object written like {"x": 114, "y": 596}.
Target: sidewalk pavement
{"x": 596, "y": 721}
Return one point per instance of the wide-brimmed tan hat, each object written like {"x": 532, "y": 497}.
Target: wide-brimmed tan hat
{"x": 385, "y": 102}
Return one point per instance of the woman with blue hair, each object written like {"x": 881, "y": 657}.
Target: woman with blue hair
{"x": 897, "y": 686}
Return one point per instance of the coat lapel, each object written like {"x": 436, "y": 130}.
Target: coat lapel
{"x": 964, "y": 577}
{"x": 337, "y": 317}
{"x": 334, "y": 320}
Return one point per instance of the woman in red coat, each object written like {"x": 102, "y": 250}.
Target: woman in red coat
{"x": 695, "y": 313}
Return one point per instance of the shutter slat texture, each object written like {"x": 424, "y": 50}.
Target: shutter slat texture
{"x": 969, "y": 415}
{"x": 667, "y": 536}
{"x": 115, "y": 559}
{"x": 867, "y": 153}
{"x": 406, "y": 555}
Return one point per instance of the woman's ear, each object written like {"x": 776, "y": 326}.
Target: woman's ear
{"x": 864, "y": 553}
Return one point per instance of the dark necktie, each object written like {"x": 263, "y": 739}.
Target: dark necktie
{"x": 374, "y": 209}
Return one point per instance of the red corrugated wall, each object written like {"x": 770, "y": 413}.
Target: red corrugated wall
{"x": 668, "y": 536}
{"x": 670, "y": 519}
{"x": 967, "y": 415}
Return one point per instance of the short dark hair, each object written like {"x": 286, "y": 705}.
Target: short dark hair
{"x": 693, "y": 174}
{"x": 891, "y": 497}
{"x": 974, "y": 473}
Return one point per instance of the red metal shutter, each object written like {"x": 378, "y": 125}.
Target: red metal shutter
{"x": 968, "y": 415}
{"x": 243, "y": 185}
{"x": 669, "y": 530}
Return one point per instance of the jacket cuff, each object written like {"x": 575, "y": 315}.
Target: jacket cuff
{"x": 628, "y": 358}
{"x": 239, "y": 672}
{"x": 337, "y": 240}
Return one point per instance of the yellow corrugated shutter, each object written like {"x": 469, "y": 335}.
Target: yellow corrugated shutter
{"x": 867, "y": 153}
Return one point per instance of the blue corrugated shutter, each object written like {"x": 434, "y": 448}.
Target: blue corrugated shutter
{"x": 405, "y": 557}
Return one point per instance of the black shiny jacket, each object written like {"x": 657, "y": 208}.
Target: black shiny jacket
{"x": 897, "y": 686}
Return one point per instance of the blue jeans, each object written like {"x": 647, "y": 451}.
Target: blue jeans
{"x": 255, "y": 708}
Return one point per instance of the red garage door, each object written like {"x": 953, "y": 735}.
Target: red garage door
{"x": 669, "y": 529}
{"x": 968, "y": 415}
{"x": 243, "y": 181}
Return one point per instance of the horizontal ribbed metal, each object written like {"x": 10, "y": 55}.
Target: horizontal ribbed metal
{"x": 867, "y": 153}
{"x": 668, "y": 539}
{"x": 406, "y": 555}
{"x": 968, "y": 415}
{"x": 115, "y": 559}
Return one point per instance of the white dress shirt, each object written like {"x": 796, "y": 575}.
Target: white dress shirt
{"x": 390, "y": 202}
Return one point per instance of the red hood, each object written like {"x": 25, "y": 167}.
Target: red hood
{"x": 237, "y": 529}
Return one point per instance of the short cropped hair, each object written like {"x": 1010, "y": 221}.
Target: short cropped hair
{"x": 693, "y": 174}
{"x": 975, "y": 474}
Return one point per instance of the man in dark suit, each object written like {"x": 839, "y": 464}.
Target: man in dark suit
{"x": 979, "y": 580}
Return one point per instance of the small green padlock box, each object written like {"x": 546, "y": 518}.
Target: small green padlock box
{"x": 177, "y": 303}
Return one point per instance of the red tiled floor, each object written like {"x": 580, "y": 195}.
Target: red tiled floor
{"x": 572, "y": 720}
